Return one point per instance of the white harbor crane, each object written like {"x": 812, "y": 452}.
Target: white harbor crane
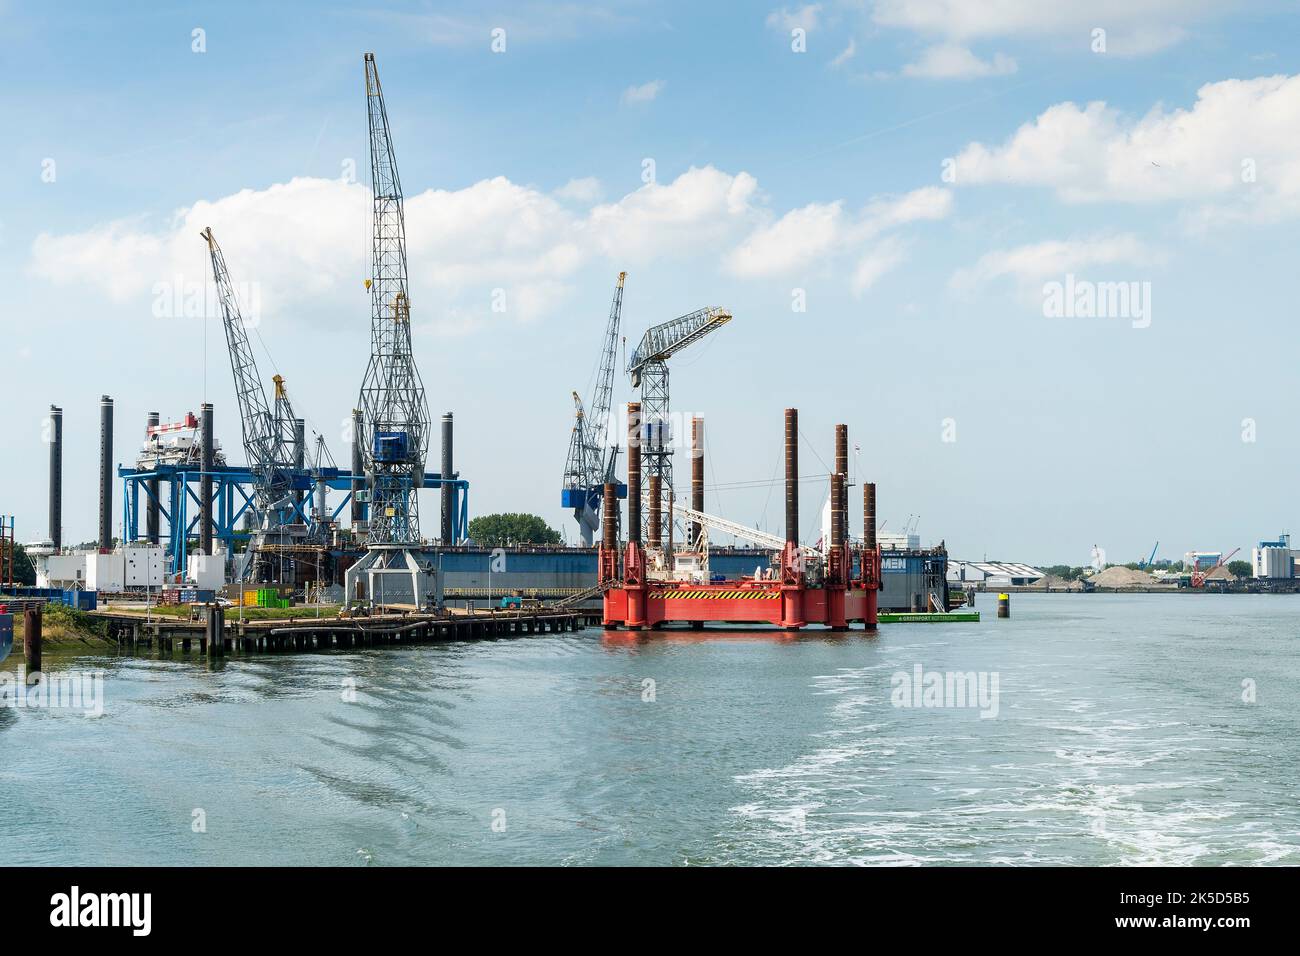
{"x": 648, "y": 367}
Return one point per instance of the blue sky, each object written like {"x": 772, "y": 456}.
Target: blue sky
{"x": 1170, "y": 158}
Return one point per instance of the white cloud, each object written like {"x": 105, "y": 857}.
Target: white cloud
{"x": 587, "y": 189}
{"x": 701, "y": 209}
{"x": 304, "y": 245}
{"x": 532, "y": 21}
{"x": 821, "y": 232}
{"x": 805, "y": 17}
{"x": 1236, "y": 129}
{"x": 926, "y": 203}
{"x": 1030, "y": 264}
{"x": 884, "y": 257}
{"x": 798, "y": 238}
{"x": 1142, "y": 24}
{"x": 849, "y": 53}
{"x": 643, "y": 93}
{"x": 952, "y": 61}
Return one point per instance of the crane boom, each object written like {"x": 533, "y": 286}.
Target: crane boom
{"x": 598, "y": 426}
{"x": 589, "y": 464}
{"x": 648, "y": 367}
{"x": 724, "y": 526}
{"x": 667, "y": 338}
{"x": 395, "y": 419}
{"x": 270, "y": 456}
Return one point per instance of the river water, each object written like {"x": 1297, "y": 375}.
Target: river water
{"x": 1113, "y": 729}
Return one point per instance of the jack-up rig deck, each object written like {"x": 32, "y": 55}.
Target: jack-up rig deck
{"x": 652, "y": 585}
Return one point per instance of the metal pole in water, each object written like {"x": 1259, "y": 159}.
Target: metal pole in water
{"x": 32, "y": 640}
{"x": 1004, "y": 605}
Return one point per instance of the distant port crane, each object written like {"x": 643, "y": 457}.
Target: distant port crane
{"x": 590, "y": 463}
{"x": 1199, "y": 576}
{"x": 648, "y": 367}
{"x": 1151, "y": 560}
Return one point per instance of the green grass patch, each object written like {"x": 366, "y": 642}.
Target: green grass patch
{"x": 182, "y": 611}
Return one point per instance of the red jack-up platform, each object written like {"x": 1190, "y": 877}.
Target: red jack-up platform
{"x": 811, "y": 587}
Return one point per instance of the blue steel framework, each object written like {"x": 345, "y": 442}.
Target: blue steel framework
{"x": 232, "y": 497}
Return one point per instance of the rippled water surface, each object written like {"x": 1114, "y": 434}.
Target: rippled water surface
{"x": 1121, "y": 736}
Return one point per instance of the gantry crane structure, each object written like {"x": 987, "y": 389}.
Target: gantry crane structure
{"x": 590, "y": 463}
{"x": 648, "y": 368}
{"x": 395, "y": 413}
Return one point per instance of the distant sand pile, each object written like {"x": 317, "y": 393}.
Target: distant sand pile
{"x": 1118, "y": 577}
{"x": 1052, "y": 582}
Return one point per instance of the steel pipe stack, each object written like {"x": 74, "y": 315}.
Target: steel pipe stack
{"x": 792, "y": 476}
{"x": 299, "y": 455}
{"x": 448, "y": 490}
{"x": 609, "y": 517}
{"x": 654, "y": 516}
{"x": 842, "y": 469}
{"x": 105, "y": 474}
{"x": 152, "y": 509}
{"x": 792, "y": 569}
{"x": 697, "y": 475}
{"x": 869, "y": 516}
{"x": 358, "y": 480}
{"x": 56, "y": 477}
{"x": 205, "y": 482}
{"x": 633, "y": 471}
{"x": 837, "y": 509}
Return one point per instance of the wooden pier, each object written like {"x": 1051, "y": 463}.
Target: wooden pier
{"x": 133, "y": 631}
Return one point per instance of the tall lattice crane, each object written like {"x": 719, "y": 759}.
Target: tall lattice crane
{"x": 268, "y": 431}
{"x": 394, "y": 435}
{"x": 590, "y": 463}
{"x": 648, "y": 367}
{"x": 395, "y": 412}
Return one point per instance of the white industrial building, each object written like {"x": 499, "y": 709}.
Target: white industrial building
{"x": 993, "y": 574}
{"x": 137, "y": 566}
{"x": 1274, "y": 560}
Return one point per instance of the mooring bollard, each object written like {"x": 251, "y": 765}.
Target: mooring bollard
{"x": 32, "y": 640}
{"x": 1004, "y": 605}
